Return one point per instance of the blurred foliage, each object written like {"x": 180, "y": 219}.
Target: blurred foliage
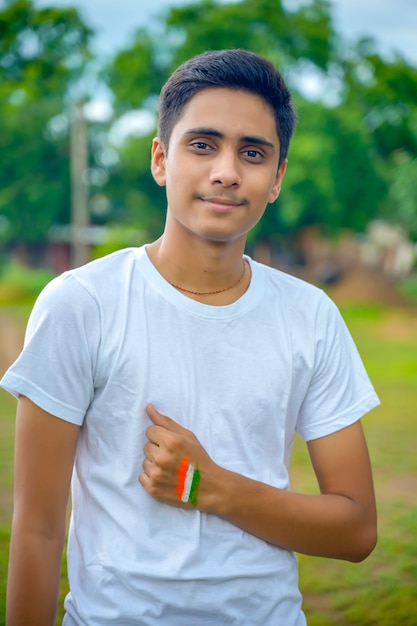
{"x": 43, "y": 53}
{"x": 18, "y": 283}
{"x": 353, "y": 156}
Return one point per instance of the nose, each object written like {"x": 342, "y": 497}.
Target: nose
{"x": 226, "y": 169}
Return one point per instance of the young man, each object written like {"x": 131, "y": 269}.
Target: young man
{"x": 170, "y": 381}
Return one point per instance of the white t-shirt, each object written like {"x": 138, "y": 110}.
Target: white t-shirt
{"x": 108, "y": 338}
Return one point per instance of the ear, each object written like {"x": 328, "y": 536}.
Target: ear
{"x": 276, "y": 188}
{"x": 158, "y": 162}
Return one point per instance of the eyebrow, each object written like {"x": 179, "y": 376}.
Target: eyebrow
{"x": 211, "y": 132}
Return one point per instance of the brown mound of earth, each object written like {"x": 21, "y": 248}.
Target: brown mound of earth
{"x": 366, "y": 286}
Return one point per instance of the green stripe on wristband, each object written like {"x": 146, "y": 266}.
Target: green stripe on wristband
{"x": 192, "y": 498}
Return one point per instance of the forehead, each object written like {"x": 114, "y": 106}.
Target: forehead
{"x": 233, "y": 112}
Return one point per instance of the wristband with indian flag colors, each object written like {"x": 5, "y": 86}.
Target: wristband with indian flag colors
{"x": 188, "y": 481}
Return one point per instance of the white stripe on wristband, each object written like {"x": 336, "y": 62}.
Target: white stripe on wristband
{"x": 187, "y": 484}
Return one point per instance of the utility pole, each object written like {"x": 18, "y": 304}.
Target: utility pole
{"x": 79, "y": 190}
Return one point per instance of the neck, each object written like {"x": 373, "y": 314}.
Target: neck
{"x": 217, "y": 291}
{"x": 212, "y": 273}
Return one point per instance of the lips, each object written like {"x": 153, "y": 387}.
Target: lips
{"x": 223, "y": 203}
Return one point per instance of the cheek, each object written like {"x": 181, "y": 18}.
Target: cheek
{"x": 178, "y": 189}
{"x": 267, "y": 194}
{"x": 183, "y": 180}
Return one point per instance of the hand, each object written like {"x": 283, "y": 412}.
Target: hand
{"x": 168, "y": 445}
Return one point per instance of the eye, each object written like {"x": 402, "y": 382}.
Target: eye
{"x": 200, "y": 145}
{"x": 253, "y": 154}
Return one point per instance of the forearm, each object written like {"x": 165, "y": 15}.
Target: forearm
{"x": 338, "y": 523}
{"x": 329, "y": 525}
{"x": 33, "y": 580}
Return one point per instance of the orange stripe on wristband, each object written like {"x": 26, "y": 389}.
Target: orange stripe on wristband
{"x": 182, "y": 474}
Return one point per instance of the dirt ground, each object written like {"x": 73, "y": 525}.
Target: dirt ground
{"x": 366, "y": 286}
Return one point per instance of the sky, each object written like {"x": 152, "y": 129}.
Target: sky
{"x": 391, "y": 22}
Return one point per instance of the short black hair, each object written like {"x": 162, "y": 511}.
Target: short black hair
{"x": 231, "y": 69}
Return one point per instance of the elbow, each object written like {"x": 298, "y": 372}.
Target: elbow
{"x": 364, "y": 544}
{"x": 364, "y": 535}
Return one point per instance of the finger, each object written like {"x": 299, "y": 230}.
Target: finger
{"x": 163, "y": 420}
{"x": 144, "y": 480}
{"x": 147, "y": 467}
{"x": 150, "y": 449}
{"x": 155, "y": 434}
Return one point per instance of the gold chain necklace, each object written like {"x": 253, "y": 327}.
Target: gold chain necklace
{"x": 212, "y": 293}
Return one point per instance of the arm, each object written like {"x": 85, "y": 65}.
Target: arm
{"x": 44, "y": 456}
{"x": 340, "y": 522}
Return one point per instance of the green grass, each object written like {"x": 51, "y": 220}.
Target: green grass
{"x": 381, "y": 591}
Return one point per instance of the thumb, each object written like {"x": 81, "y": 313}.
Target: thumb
{"x": 162, "y": 420}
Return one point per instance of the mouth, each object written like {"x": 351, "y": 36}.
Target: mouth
{"x": 222, "y": 203}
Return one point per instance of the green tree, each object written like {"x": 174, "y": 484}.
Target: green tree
{"x": 43, "y": 54}
{"x": 384, "y": 93}
{"x": 400, "y": 203}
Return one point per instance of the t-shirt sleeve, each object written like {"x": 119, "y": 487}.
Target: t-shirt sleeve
{"x": 56, "y": 368}
{"x": 339, "y": 391}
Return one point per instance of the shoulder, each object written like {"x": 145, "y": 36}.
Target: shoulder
{"x": 96, "y": 279}
{"x": 302, "y": 309}
{"x": 86, "y": 292}
{"x": 295, "y": 293}
{"x": 108, "y": 270}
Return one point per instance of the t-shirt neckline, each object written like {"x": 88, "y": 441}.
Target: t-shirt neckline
{"x": 246, "y": 302}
